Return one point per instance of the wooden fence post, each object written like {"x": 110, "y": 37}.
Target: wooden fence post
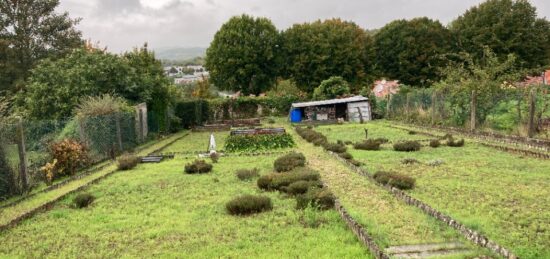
{"x": 532, "y": 110}
{"x": 118, "y": 131}
{"x": 473, "y": 105}
{"x": 23, "y": 164}
{"x": 388, "y": 106}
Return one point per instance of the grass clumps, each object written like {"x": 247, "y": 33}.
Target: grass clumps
{"x": 434, "y": 143}
{"x": 275, "y": 181}
{"x": 83, "y": 200}
{"x": 301, "y": 187}
{"x": 335, "y": 147}
{"x": 312, "y": 136}
{"x": 248, "y": 204}
{"x": 289, "y": 161}
{"x": 321, "y": 198}
{"x": 368, "y": 144}
{"x": 128, "y": 161}
{"x": 198, "y": 167}
{"x": 452, "y": 143}
{"x": 247, "y": 174}
{"x": 409, "y": 161}
{"x": 407, "y": 146}
{"x": 394, "y": 179}
{"x": 345, "y": 155}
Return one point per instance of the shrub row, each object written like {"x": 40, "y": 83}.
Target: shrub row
{"x": 251, "y": 143}
{"x": 396, "y": 180}
{"x": 279, "y": 182}
{"x": 312, "y": 136}
{"x": 407, "y": 146}
{"x": 368, "y": 144}
{"x": 248, "y": 204}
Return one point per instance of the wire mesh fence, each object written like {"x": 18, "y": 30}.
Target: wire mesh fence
{"x": 26, "y": 145}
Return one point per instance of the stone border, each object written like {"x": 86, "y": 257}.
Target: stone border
{"x": 48, "y": 205}
{"x": 474, "y": 236}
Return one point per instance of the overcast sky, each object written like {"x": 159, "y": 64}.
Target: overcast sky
{"x": 123, "y": 24}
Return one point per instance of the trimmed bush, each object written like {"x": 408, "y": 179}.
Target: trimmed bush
{"x": 321, "y": 198}
{"x": 247, "y": 174}
{"x": 248, "y": 204}
{"x": 407, "y": 146}
{"x": 128, "y": 161}
{"x": 412, "y": 132}
{"x": 348, "y": 142}
{"x": 452, "y": 143}
{"x": 368, "y": 144}
{"x": 312, "y": 136}
{"x": 301, "y": 187}
{"x": 83, "y": 200}
{"x": 345, "y": 155}
{"x": 289, "y": 161}
{"x": 381, "y": 140}
{"x": 396, "y": 180}
{"x": 198, "y": 167}
{"x": 319, "y": 142}
{"x": 275, "y": 181}
{"x": 434, "y": 143}
{"x": 355, "y": 162}
{"x": 335, "y": 147}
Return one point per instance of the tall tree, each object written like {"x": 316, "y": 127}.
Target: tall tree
{"x": 316, "y": 51}
{"x": 31, "y": 30}
{"x": 244, "y": 55}
{"x": 411, "y": 51}
{"x": 506, "y": 27}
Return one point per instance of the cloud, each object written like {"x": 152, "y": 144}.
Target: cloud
{"x": 123, "y": 24}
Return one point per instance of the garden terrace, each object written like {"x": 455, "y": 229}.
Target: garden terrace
{"x": 258, "y": 131}
{"x": 504, "y": 196}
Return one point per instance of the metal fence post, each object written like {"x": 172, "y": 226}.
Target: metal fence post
{"x": 23, "y": 164}
{"x": 118, "y": 131}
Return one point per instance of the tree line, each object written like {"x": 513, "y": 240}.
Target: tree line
{"x": 249, "y": 54}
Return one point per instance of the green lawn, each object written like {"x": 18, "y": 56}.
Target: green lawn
{"x": 157, "y": 210}
{"x": 504, "y": 196}
{"x": 198, "y": 141}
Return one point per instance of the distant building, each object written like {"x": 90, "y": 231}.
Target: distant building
{"x": 384, "y": 87}
{"x": 355, "y": 108}
{"x": 543, "y": 79}
{"x": 186, "y": 74}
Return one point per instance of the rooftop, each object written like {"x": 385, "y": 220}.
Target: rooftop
{"x": 357, "y": 98}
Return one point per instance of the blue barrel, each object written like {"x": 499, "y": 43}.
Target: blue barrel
{"x": 296, "y": 115}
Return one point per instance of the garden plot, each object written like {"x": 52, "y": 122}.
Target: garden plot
{"x": 502, "y": 195}
{"x": 390, "y": 222}
{"x": 158, "y": 210}
{"x": 197, "y": 142}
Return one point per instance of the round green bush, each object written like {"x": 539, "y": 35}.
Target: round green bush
{"x": 247, "y": 174}
{"x": 198, "y": 167}
{"x": 289, "y": 161}
{"x": 394, "y": 179}
{"x": 407, "y": 146}
{"x": 434, "y": 143}
{"x": 452, "y": 143}
{"x": 248, "y": 204}
{"x": 83, "y": 200}
{"x": 335, "y": 147}
{"x": 321, "y": 198}
{"x": 302, "y": 186}
{"x": 277, "y": 181}
{"x": 368, "y": 144}
{"x": 127, "y": 162}
{"x": 345, "y": 155}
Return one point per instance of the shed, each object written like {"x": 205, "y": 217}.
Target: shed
{"x": 348, "y": 109}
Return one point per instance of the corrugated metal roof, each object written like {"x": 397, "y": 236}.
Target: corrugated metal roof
{"x": 357, "y": 98}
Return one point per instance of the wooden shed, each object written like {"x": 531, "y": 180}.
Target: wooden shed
{"x": 349, "y": 109}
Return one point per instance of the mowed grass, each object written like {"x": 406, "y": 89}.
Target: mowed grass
{"x": 198, "y": 141}
{"x": 156, "y": 210}
{"x": 504, "y": 196}
{"x": 389, "y": 221}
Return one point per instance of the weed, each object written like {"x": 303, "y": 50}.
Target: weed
{"x": 83, "y": 200}
{"x": 247, "y": 174}
{"x": 289, "y": 161}
{"x": 368, "y": 144}
{"x": 407, "y": 146}
{"x": 198, "y": 167}
{"x": 128, "y": 161}
{"x": 248, "y": 204}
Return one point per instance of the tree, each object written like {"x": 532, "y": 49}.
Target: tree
{"x": 316, "y": 51}
{"x": 506, "y": 27}
{"x": 412, "y": 51}
{"x": 331, "y": 88}
{"x": 244, "y": 55}
{"x": 31, "y": 30}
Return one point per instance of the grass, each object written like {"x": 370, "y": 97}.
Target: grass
{"x": 388, "y": 220}
{"x": 198, "y": 141}
{"x": 155, "y": 210}
{"x": 504, "y": 196}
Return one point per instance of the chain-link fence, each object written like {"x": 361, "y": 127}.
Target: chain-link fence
{"x": 519, "y": 111}
{"x": 25, "y": 145}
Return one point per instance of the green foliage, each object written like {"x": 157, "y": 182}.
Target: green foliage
{"x": 321, "y": 198}
{"x": 247, "y": 174}
{"x": 506, "y": 27}
{"x": 83, "y": 200}
{"x": 289, "y": 161}
{"x": 411, "y": 51}
{"x": 406, "y": 146}
{"x": 452, "y": 143}
{"x": 244, "y": 55}
{"x": 198, "y": 167}
{"x": 368, "y": 144}
{"x": 7, "y": 177}
{"x": 345, "y": 155}
{"x": 286, "y": 88}
{"x": 396, "y": 180}
{"x": 106, "y": 104}
{"x": 68, "y": 156}
{"x": 316, "y": 51}
{"x": 331, "y": 88}
{"x": 248, "y": 204}
{"x": 301, "y": 187}
{"x": 128, "y": 161}
{"x": 192, "y": 113}
{"x": 258, "y": 142}
{"x": 409, "y": 161}
{"x": 335, "y": 147}
{"x": 278, "y": 181}
{"x": 434, "y": 143}
{"x": 32, "y": 30}
{"x": 311, "y": 136}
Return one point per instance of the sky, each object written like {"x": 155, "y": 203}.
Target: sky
{"x": 123, "y": 24}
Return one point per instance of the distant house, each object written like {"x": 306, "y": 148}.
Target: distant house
{"x": 187, "y": 79}
{"x": 384, "y": 87}
{"x": 354, "y": 108}
{"x": 543, "y": 79}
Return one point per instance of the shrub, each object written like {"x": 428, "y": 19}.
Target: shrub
{"x": 127, "y": 161}
{"x": 264, "y": 182}
{"x": 289, "y": 161}
{"x": 271, "y": 121}
{"x": 434, "y": 143}
{"x": 367, "y": 145}
{"x": 276, "y": 181}
{"x": 335, "y": 147}
{"x": 407, "y": 146}
{"x": 321, "y": 198}
{"x": 381, "y": 140}
{"x": 355, "y": 162}
{"x": 319, "y": 141}
{"x": 214, "y": 156}
{"x": 345, "y": 155}
{"x": 396, "y": 180}
{"x": 70, "y": 156}
{"x": 258, "y": 142}
{"x": 452, "y": 143}
{"x": 83, "y": 200}
{"x": 409, "y": 161}
{"x": 412, "y": 132}
{"x": 7, "y": 177}
{"x": 248, "y": 204}
{"x": 198, "y": 167}
{"x": 247, "y": 174}
{"x": 447, "y": 136}
{"x": 348, "y": 142}
{"x": 312, "y": 136}
{"x": 301, "y": 187}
